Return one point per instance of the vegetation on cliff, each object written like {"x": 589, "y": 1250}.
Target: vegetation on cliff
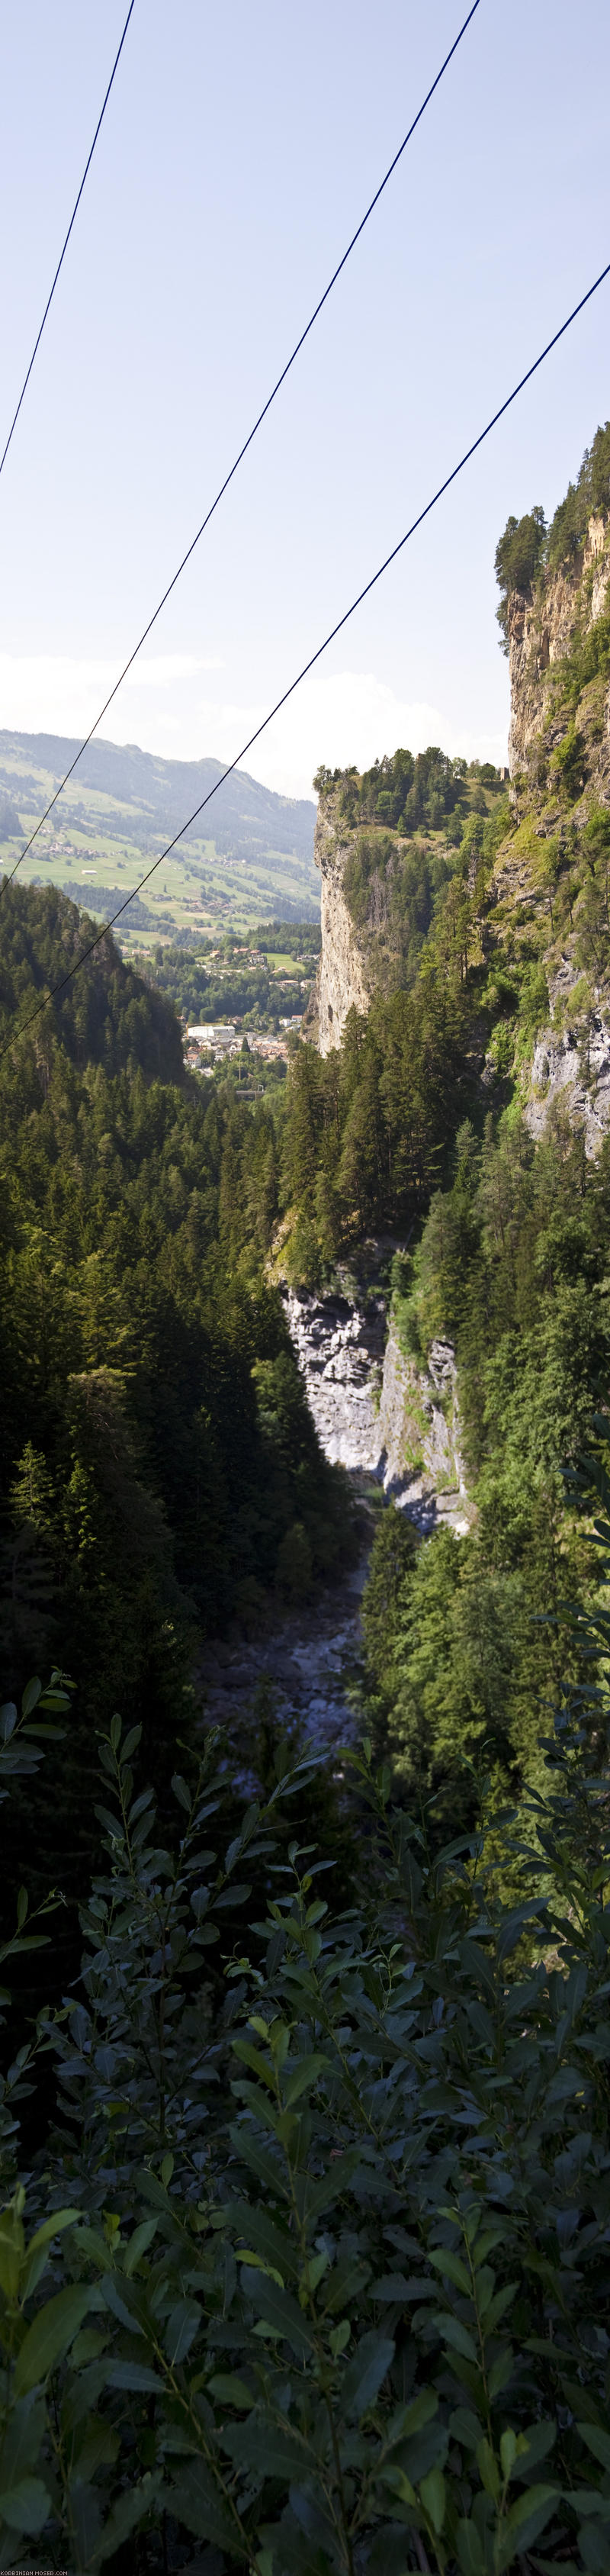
{"x": 528, "y": 547}
{"x": 465, "y": 1641}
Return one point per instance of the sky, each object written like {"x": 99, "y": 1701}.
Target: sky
{"x": 239, "y": 150}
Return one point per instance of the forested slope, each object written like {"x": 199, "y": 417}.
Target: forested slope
{"x": 160, "y": 1475}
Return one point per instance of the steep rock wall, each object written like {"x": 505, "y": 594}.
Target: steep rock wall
{"x": 556, "y": 709}
{"x": 376, "y": 1411}
{"x": 341, "y": 979}
{"x": 542, "y": 627}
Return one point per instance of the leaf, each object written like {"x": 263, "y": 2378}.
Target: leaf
{"x": 198, "y": 2503}
{"x": 488, "y": 2467}
{"x": 526, "y": 2519}
{"x": 465, "y": 2428}
{"x": 261, "y": 2443}
{"x": 85, "y": 2518}
{"x": 12, "y": 2244}
{"x": 508, "y": 2451}
{"x": 49, "y": 2337}
{"x": 321, "y": 2195}
{"x": 365, "y": 2372}
{"x": 258, "y": 2263}
{"x": 128, "y": 2511}
{"x": 433, "y": 2496}
{"x": 456, "y": 2335}
{"x": 24, "y": 2434}
{"x": 266, "y": 2233}
{"x": 451, "y": 2268}
{"x": 44, "y": 2235}
{"x": 597, "y": 2441}
{"x": 26, "y": 2507}
{"x": 181, "y": 1792}
{"x": 31, "y": 1696}
{"x": 387, "y": 2556}
{"x": 135, "y": 2376}
{"x": 409, "y": 2420}
{"x": 99, "y": 2447}
{"x": 470, "y": 2550}
{"x": 389, "y": 2290}
{"x": 305, "y": 2074}
{"x": 139, "y": 2244}
{"x": 501, "y": 2371}
{"x": 249, "y": 2056}
{"x": 181, "y": 2329}
{"x": 257, "y": 2157}
{"x": 278, "y": 2310}
{"x": 123, "y": 2299}
{"x": 230, "y": 2389}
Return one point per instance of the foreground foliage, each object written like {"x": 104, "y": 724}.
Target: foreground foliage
{"x": 321, "y": 2276}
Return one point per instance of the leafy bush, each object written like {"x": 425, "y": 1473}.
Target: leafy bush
{"x": 321, "y": 2280}
{"x": 568, "y": 763}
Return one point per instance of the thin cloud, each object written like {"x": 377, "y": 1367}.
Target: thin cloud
{"x": 336, "y": 717}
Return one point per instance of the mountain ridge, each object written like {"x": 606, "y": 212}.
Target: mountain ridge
{"x": 124, "y": 771}
{"x": 249, "y": 855}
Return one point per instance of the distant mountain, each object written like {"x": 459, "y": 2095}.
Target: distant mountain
{"x": 160, "y": 793}
{"x": 250, "y": 852}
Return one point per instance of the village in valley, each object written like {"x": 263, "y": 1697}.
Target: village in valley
{"x": 208, "y": 1043}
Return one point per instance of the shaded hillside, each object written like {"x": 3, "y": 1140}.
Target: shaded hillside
{"x": 105, "y": 1016}
{"x": 159, "y": 1471}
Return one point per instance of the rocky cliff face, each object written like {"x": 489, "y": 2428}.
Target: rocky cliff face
{"x": 376, "y": 1411}
{"x": 560, "y": 705}
{"x": 341, "y": 979}
{"x": 543, "y": 625}
{"x": 543, "y": 917}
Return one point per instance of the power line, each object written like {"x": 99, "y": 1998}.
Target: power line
{"x": 70, "y": 228}
{"x": 247, "y": 441}
{"x": 314, "y": 657}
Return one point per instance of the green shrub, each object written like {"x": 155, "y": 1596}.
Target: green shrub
{"x": 568, "y": 763}
{"x": 321, "y": 2283}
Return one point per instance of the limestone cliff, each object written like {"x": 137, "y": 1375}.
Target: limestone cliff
{"x": 379, "y": 1412}
{"x": 425, "y": 863}
{"x": 550, "y": 885}
{"x": 545, "y": 624}
{"x": 341, "y": 977}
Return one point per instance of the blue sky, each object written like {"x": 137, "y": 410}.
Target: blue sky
{"x": 238, "y": 152}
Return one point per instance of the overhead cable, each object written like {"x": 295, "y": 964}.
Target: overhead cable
{"x": 70, "y": 229}
{"x": 252, "y": 433}
{"x": 313, "y": 658}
